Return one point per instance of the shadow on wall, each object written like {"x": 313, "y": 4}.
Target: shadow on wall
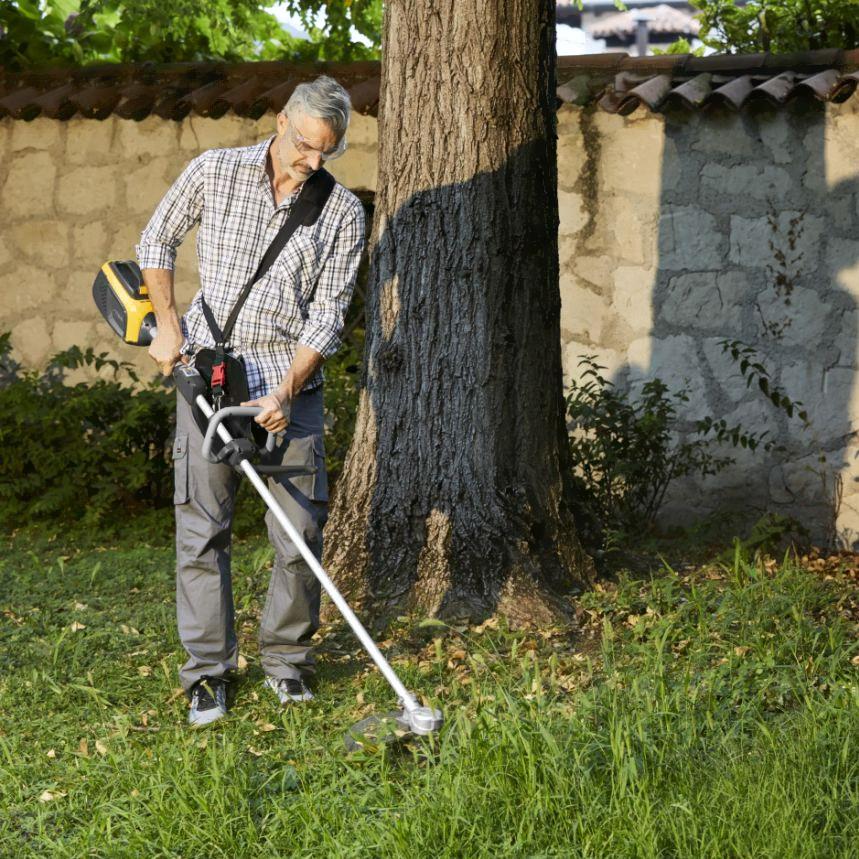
{"x": 755, "y": 240}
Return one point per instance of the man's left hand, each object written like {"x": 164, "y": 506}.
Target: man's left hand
{"x": 275, "y": 414}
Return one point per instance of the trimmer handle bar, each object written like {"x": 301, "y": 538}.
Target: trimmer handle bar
{"x": 230, "y": 412}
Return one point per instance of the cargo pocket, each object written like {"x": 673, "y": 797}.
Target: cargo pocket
{"x": 180, "y": 469}
{"x": 308, "y": 452}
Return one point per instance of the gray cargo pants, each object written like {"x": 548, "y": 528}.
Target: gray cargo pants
{"x": 204, "y": 500}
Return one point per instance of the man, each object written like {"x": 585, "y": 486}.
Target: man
{"x": 288, "y": 326}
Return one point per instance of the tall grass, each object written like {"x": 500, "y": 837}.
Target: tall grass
{"x": 705, "y": 715}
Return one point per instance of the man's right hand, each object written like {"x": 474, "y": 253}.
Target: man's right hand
{"x": 164, "y": 350}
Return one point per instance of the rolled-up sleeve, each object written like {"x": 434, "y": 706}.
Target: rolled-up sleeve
{"x": 327, "y": 312}
{"x": 179, "y": 210}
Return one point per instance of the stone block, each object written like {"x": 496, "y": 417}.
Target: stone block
{"x": 802, "y": 481}
{"x": 787, "y": 244}
{"x": 87, "y": 191}
{"x": 582, "y": 311}
{"x": 29, "y": 186}
{"x": 89, "y": 141}
{"x": 841, "y": 148}
{"x": 66, "y": 334}
{"x": 631, "y": 159}
{"x": 762, "y": 182}
{"x": 826, "y": 394}
{"x": 150, "y": 138}
{"x": 24, "y": 288}
{"x": 596, "y": 271}
{"x": 363, "y": 131}
{"x": 199, "y": 133}
{"x": 689, "y": 239}
{"x": 632, "y": 298}
{"x": 778, "y": 137}
{"x": 797, "y": 318}
{"x": 706, "y": 300}
{"x": 842, "y": 262}
{"x": 572, "y": 157}
{"x": 358, "y": 169}
{"x": 726, "y": 134}
{"x": 47, "y": 242}
{"x": 31, "y": 342}
{"x": 633, "y": 225}
{"x": 841, "y": 211}
{"x": 5, "y": 251}
{"x": 572, "y": 213}
{"x": 41, "y": 133}
{"x": 145, "y": 186}
{"x": 847, "y": 339}
{"x": 90, "y": 243}
{"x": 675, "y": 361}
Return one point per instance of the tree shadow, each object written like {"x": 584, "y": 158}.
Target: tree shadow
{"x": 756, "y": 243}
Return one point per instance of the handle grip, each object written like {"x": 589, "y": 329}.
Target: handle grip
{"x": 231, "y": 411}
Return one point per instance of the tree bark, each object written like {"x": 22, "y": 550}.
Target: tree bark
{"x": 455, "y": 496}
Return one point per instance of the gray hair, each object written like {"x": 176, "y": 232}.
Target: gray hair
{"x": 323, "y": 99}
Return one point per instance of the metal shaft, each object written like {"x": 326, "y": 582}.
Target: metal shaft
{"x": 406, "y": 697}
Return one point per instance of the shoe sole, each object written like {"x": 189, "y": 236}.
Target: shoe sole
{"x": 297, "y": 699}
{"x": 206, "y": 717}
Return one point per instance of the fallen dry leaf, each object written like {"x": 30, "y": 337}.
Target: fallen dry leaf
{"x": 47, "y": 795}
{"x": 267, "y": 727}
{"x": 177, "y": 693}
{"x": 80, "y": 606}
{"x": 76, "y": 627}
{"x": 100, "y": 747}
{"x": 128, "y": 630}
{"x": 83, "y": 748}
{"x": 255, "y": 752}
{"x": 52, "y": 753}
{"x": 144, "y": 670}
{"x": 243, "y": 663}
{"x": 855, "y": 660}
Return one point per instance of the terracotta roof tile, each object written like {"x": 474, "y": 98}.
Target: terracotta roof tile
{"x": 618, "y": 83}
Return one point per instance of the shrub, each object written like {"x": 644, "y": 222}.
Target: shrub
{"x": 628, "y": 450}
{"x": 84, "y": 452}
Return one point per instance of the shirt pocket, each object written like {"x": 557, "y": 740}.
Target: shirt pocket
{"x": 297, "y": 268}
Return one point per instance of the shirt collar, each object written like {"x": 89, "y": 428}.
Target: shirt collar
{"x": 256, "y": 155}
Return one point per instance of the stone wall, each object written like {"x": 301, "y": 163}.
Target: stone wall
{"x": 681, "y": 231}
{"x": 676, "y": 232}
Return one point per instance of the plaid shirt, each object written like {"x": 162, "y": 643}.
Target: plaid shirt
{"x": 303, "y": 297}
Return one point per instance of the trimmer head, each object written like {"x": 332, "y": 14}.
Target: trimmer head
{"x": 398, "y": 726}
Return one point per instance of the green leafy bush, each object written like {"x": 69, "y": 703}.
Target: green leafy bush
{"x": 628, "y": 450}
{"x": 86, "y": 452}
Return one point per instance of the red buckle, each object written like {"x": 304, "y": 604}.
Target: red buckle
{"x": 219, "y": 373}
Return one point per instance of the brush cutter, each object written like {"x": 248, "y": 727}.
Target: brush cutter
{"x": 121, "y": 281}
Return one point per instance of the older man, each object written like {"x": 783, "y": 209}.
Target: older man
{"x": 289, "y": 324}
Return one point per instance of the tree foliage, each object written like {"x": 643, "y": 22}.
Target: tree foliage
{"x": 57, "y": 32}
{"x": 778, "y": 26}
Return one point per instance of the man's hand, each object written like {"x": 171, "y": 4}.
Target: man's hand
{"x": 164, "y": 350}
{"x": 274, "y": 416}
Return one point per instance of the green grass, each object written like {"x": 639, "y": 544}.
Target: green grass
{"x": 708, "y": 714}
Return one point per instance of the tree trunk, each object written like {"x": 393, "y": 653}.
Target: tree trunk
{"x": 454, "y": 500}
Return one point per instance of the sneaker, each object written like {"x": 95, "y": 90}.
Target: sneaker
{"x": 289, "y": 689}
{"x": 208, "y": 701}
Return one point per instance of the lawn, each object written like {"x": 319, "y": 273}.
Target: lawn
{"x": 710, "y": 712}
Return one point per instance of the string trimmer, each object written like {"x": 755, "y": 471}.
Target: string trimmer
{"x": 123, "y": 301}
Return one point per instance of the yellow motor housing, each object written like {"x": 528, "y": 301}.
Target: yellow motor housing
{"x": 124, "y": 302}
